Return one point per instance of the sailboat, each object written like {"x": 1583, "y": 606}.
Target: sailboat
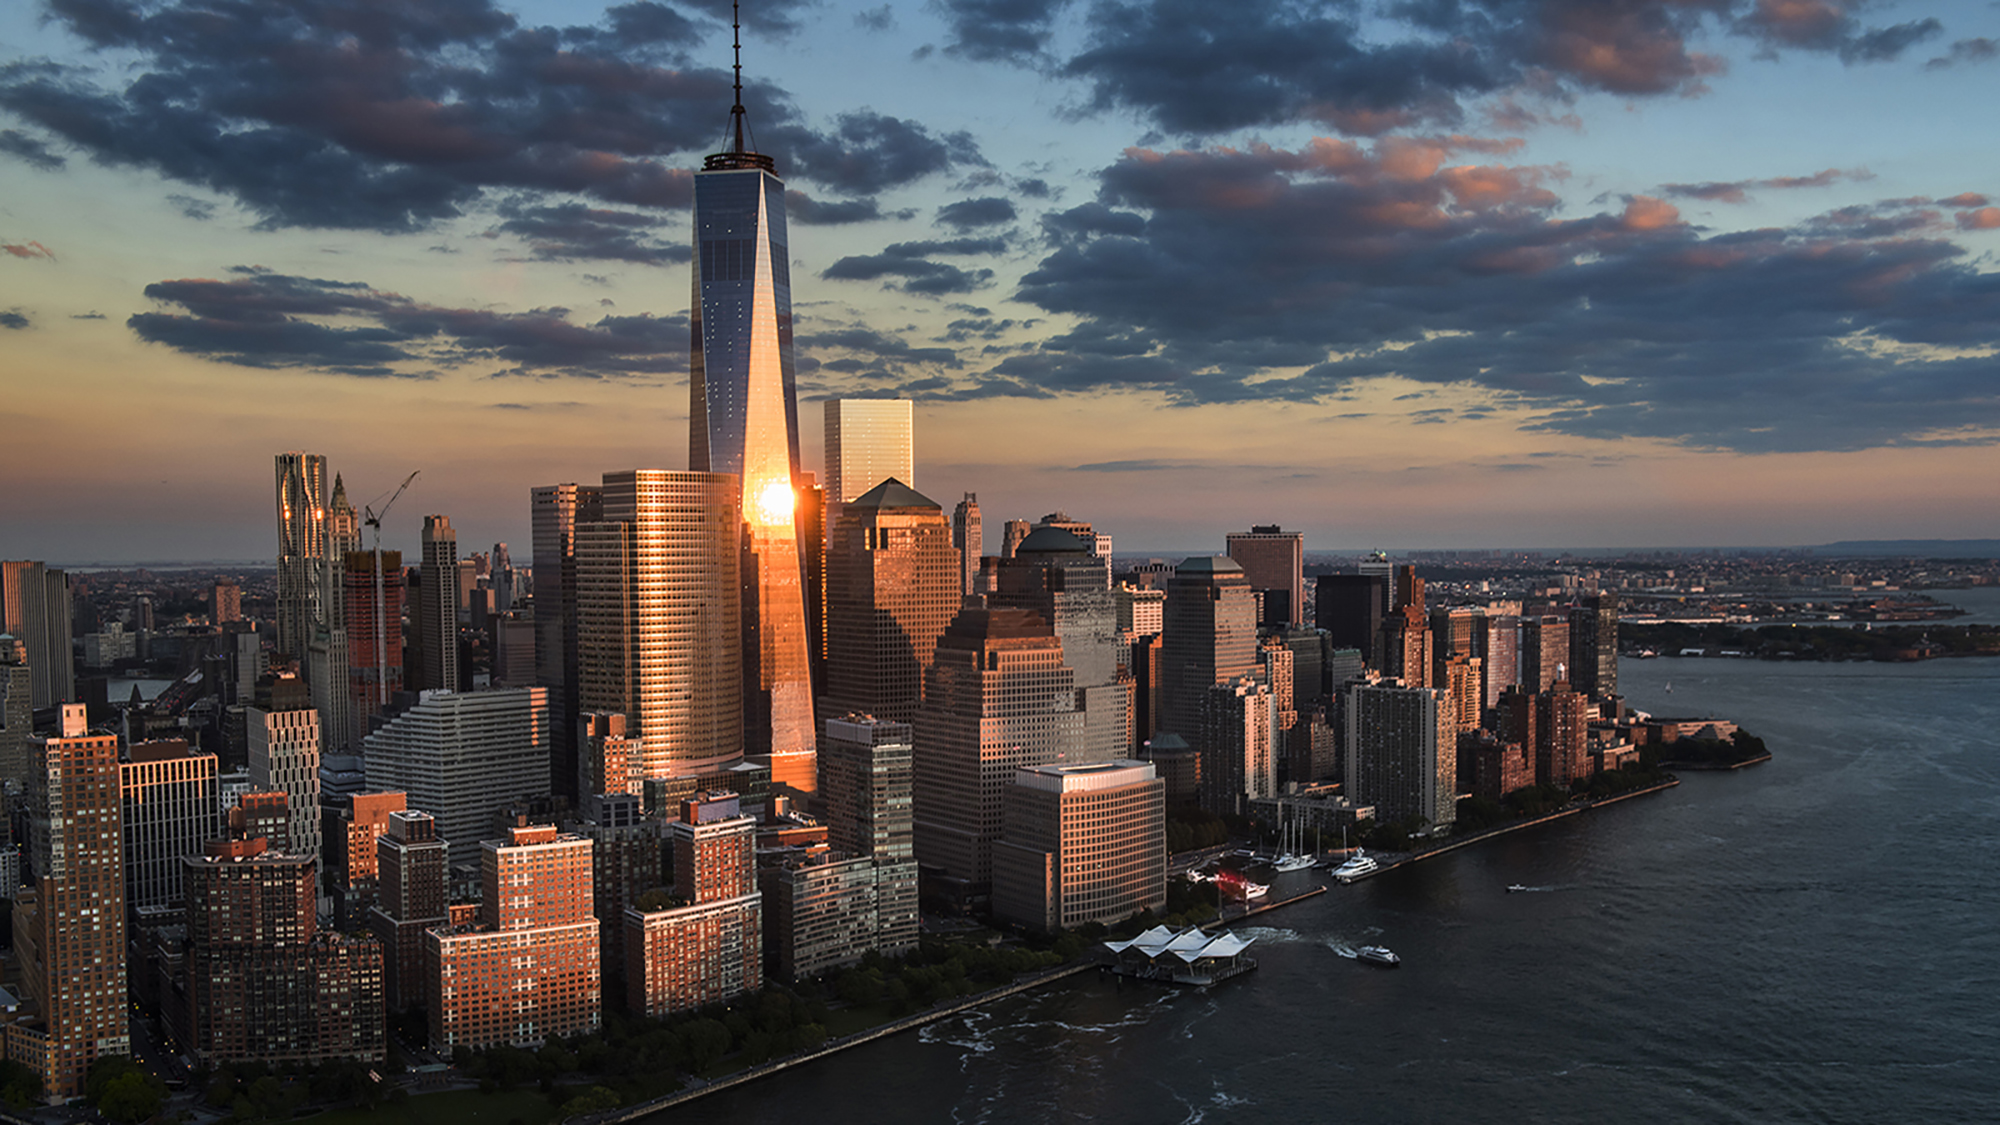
{"x": 1291, "y": 843}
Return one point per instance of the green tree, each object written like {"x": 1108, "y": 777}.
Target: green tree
{"x": 20, "y": 1087}
{"x": 132, "y": 1097}
{"x": 597, "y": 1099}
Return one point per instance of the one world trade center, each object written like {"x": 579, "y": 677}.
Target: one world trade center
{"x": 743, "y": 419}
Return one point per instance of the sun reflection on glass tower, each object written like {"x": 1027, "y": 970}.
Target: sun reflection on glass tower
{"x": 743, "y": 419}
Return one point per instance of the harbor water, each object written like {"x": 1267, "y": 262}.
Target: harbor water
{"x": 1807, "y": 940}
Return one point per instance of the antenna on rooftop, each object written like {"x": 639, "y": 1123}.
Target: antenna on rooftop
{"x": 736, "y": 43}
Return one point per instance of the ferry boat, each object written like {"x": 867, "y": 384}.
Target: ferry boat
{"x": 1359, "y": 865}
{"x": 1377, "y": 955}
{"x": 1515, "y": 888}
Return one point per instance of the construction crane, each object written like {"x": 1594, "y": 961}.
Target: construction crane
{"x": 373, "y": 519}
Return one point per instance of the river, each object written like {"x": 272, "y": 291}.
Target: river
{"x": 1808, "y": 940}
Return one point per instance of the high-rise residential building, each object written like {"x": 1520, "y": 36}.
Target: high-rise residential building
{"x": 225, "y": 601}
{"x": 1273, "y": 560}
{"x": 892, "y": 581}
{"x": 866, "y": 782}
{"x": 69, "y": 931}
{"x": 1054, "y": 573}
{"x": 659, "y": 632}
{"x": 1500, "y": 646}
{"x": 868, "y": 441}
{"x": 464, "y": 757}
{"x": 374, "y": 586}
{"x": 302, "y": 504}
{"x": 1593, "y": 645}
{"x": 1402, "y": 753}
{"x": 1209, "y": 636}
{"x": 35, "y": 609}
{"x": 1240, "y": 744}
{"x": 284, "y": 758}
{"x": 607, "y": 757}
{"x": 744, "y": 419}
{"x": 169, "y": 811}
{"x": 349, "y": 827}
{"x": 1350, "y": 608}
{"x": 1561, "y": 736}
{"x": 1544, "y": 652}
{"x": 1406, "y": 647}
{"x": 625, "y": 863}
{"x": 17, "y": 711}
{"x": 834, "y": 907}
{"x": 710, "y": 949}
{"x": 526, "y": 971}
{"x": 968, "y": 535}
{"x": 554, "y": 512}
{"x": 1141, "y": 610}
{"x": 411, "y": 874}
{"x": 436, "y": 616}
{"x": 262, "y": 982}
{"x": 998, "y": 697}
{"x": 1081, "y": 843}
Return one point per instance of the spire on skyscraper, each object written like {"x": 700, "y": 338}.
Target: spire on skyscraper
{"x": 738, "y": 155}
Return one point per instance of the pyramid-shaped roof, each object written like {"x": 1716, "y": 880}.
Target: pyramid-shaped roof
{"x": 893, "y": 493}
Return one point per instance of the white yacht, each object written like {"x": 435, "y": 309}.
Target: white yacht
{"x": 1360, "y": 864}
{"x": 1377, "y": 955}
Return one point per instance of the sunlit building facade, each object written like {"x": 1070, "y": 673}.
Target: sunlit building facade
{"x": 743, "y": 418}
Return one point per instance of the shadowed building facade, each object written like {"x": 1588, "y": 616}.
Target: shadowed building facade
{"x": 998, "y": 697}
{"x": 892, "y": 586}
{"x": 1208, "y": 636}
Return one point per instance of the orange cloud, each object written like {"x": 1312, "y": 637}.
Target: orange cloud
{"x": 1985, "y": 218}
{"x": 1644, "y": 212}
{"x": 28, "y": 250}
{"x": 1964, "y": 199}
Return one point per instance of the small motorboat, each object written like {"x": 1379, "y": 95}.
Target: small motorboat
{"x": 1378, "y": 955}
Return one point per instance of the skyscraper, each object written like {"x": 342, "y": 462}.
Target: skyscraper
{"x": 284, "y": 758}
{"x": 1544, "y": 652}
{"x": 302, "y": 485}
{"x": 998, "y": 697}
{"x": 1081, "y": 843}
{"x": 1350, "y": 608}
{"x": 17, "y": 711}
{"x": 1593, "y": 645}
{"x": 35, "y": 609}
{"x": 1054, "y": 573}
{"x": 1208, "y": 636}
{"x": 436, "y": 617}
{"x": 1273, "y": 560}
{"x": 170, "y": 810}
{"x": 892, "y": 586}
{"x": 327, "y": 663}
{"x": 527, "y": 971}
{"x": 743, "y": 418}
{"x": 712, "y": 948}
{"x": 464, "y": 757}
{"x": 968, "y": 536}
{"x": 69, "y": 931}
{"x": 554, "y": 512}
{"x": 658, "y": 624}
{"x": 374, "y": 633}
{"x": 1402, "y": 753}
{"x": 410, "y": 867}
{"x": 1240, "y": 744}
{"x": 868, "y": 441}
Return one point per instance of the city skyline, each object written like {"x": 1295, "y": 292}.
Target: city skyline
{"x": 1411, "y": 284}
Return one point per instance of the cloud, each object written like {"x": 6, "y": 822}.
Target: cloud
{"x": 771, "y": 17}
{"x": 1966, "y": 51}
{"x": 1827, "y": 25}
{"x": 29, "y": 249}
{"x": 92, "y": 315}
{"x": 875, "y": 19}
{"x": 968, "y": 213}
{"x": 395, "y": 118}
{"x": 200, "y": 210}
{"x": 13, "y": 319}
{"x": 1262, "y": 273}
{"x": 29, "y": 149}
{"x": 801, "y": 208}
{"x": 861, "y": 348}
{"x": 999, "y": 30}
{"x": 1738, "y": 191}
{"x": 276, "y": 322}
{"x": 1982, "y": 218}
{"x": 920, "y": 275}
{"x": 570, "y": 232}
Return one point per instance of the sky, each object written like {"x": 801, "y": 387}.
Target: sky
{"x": 1409, "y": 274}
